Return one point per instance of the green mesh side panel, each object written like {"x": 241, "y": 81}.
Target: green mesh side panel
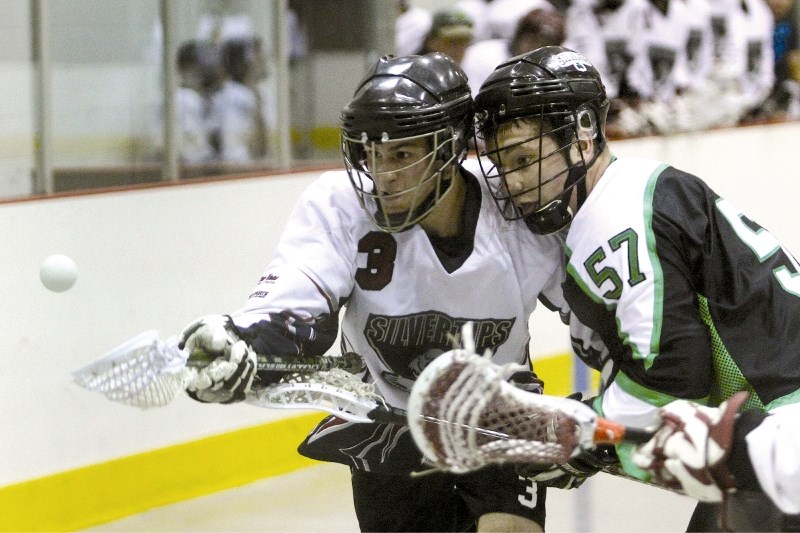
{"x": 728, "y": 379}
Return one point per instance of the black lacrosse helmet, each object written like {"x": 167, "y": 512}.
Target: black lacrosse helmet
{"x": 560, "y": 94}
{"x": 403, "y": 99}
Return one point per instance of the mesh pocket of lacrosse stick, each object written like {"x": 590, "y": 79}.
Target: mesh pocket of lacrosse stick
{"x": 463, "y": 414}
{"x": 142, "y": 372}
{"x": 335, "y": 391}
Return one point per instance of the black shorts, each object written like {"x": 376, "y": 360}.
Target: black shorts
{"x": 388, "y": 497}
{"x": 441, "y": 501}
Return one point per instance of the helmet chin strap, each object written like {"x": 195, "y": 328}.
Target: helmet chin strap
{"x": 558, "y": 214}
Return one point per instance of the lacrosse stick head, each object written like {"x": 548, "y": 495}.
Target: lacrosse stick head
{"x": 142, "y": 372}
{"x": 464, "y": 414}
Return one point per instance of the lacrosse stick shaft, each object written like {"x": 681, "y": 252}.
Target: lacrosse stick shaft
{"x": 349, "y": 362}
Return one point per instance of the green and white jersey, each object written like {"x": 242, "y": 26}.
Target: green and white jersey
{"x": 693, "y": 299}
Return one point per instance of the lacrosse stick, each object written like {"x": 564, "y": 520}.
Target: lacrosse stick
{"x": 146, "y": 372}
{"x": 464, "y": 414}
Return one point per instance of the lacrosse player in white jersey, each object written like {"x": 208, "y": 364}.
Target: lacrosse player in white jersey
{"x": 695, "y": 302}
{"x": 759, "y": 75}
{"x": 418, "y": 250}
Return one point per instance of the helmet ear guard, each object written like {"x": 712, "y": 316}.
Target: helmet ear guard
{"x": 586, "y": 124}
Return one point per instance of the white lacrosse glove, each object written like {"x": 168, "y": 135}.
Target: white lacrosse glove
{"x": 231, "y": 373}
{"x": 688, "y": 452}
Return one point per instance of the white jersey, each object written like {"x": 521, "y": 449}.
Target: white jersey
{"x": 730, "y": 38}
{"x": 401, "y": 301}
{"x": 759, "y": 73}
{"x": 700, "y": 46}
{"x": 612, "y": 40}
{"x": 194, "y": 127}
{"x": 650, "y": 255}
{"x": 238, "y": 114}
{"x": 662, "y": 70}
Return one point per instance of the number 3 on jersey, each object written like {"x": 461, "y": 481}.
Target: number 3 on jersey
{"x": 381, "y": 251}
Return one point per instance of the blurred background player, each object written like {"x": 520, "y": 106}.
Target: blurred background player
{"x": 610, "y": 34}
{"x": 451, "y": 33}
{"x": 410, "y": 28}
{"x": 239, "y": 110}
{"x": 784, "y": 101}
{"x": 200, "y": 75}
{"x": 538, "y": 27}
{"x": 477, "y": 11}
{"x": 691, "y": 297}
{"x": 405, "y": 261}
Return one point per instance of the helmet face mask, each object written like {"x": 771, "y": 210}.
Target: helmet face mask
{"x": 537, "y": 115}
{"x": 403, "y": 136}
{"x": 532, "y": 164}
{"x": 400, "y": 181}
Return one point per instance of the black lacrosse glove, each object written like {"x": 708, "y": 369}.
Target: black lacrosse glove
{"x": 527, "y": 381}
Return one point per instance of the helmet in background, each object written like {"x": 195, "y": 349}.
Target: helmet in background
{"x": 558, "y": 93}
{"x": 401, "y": 100}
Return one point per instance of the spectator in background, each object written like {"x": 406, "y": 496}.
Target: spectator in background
{"x": 199, "y": 76}
{"x": 610, "y": 34}
{"x": 238, "y": 110}
{"x": 658, "y": 72}
{"x": 784, "y": 102}
{"x": 504, "y": 15}
{"x": 478, "y": 13}
{"x": 759, "y": 73}
{"x": 700, "y": 45}
{"x": 410, "y": 28}
{"x": 450, "y": 33}
{"x": 539, "y": 27}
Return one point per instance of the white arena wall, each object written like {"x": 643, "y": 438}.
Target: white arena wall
{"x": 160, "y": 257}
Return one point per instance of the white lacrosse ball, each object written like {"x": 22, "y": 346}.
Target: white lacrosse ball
{"x": 58, "y": 273}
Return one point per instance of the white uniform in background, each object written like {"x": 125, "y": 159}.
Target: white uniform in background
{"x": 743, "y": 71}
{"x": 410, "y": 30}
{"x": 730, "y": 38}
{"x": 477, "y": 11}
{"x": 193, "y": 121}
{"x": 759, "y": 72}
{"x": 664, "y": 69}
{"x": 612, "y": 41}
{"x": 194, "y": 127}
{"x": 700, "y": 47}
{"x": 237, "y": 113}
